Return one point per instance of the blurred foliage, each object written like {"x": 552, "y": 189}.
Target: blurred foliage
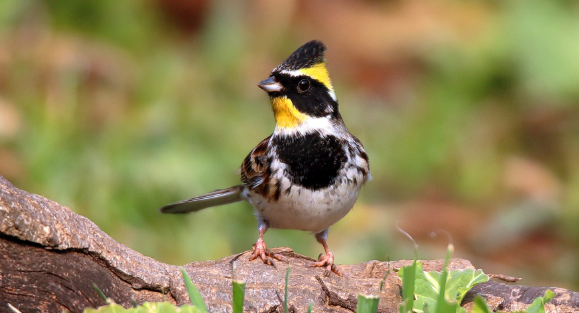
{"x": 468, "y": 111}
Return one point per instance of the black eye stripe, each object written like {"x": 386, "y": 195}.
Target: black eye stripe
{"x": 292, "y": 82}
{"x": 315, "y": 101}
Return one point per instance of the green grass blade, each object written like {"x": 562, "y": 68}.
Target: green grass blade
{"x": 99, "y": 292}
{"x": 286, "y": 296}
{"x": 367, "y": 304}
{"x": 238, "y": 296}
{"x": 194, "y": 294}
{"x": 408, "y": 280}
{"x": 442, "y": 305}
{"x": 383, "y": 281}
{"x": 311, "y": 307}
{"x": 402, "y": 307}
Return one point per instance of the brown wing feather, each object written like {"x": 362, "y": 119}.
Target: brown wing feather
{"x": 255, "y": 169}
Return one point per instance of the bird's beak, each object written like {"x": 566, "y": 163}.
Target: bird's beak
{"x": 270, "y": 85}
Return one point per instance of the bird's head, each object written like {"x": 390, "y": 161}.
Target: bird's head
{"x": 301, "y": 93}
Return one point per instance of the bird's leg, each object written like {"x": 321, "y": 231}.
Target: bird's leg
{"x": 327, "y": 259}
{"x": 259, "y": 248}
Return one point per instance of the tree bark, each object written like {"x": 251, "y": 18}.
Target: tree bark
{"x": 50, "y": 257}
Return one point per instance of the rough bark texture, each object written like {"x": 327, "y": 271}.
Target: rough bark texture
{"x": 50, "y": 257}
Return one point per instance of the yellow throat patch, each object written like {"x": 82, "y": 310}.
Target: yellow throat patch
{"x": 286, "y": 115}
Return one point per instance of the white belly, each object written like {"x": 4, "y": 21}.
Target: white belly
{"x": 304, "y": 209}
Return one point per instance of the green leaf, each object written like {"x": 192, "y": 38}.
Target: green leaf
{"x": 480, "y": 305}
{"x": 459, "y": 282}
{"x": 238, "y": 296}
{"x": 194, "y": 294}
{"x": 464, "y": 280}
{"x": 428, "y": 287}
{"x": 367, "y": 304}
{"x": 549, "y": 295}
{"x": 538, "y": 306}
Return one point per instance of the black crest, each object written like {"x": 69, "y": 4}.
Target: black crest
{"x": 306, "y": 56}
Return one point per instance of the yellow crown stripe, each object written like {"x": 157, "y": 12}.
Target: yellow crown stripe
{"x": 319, "y": 73}
{"x": 286, "y": 115}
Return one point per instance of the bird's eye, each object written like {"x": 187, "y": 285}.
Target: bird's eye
{"x": 303, "y": 85}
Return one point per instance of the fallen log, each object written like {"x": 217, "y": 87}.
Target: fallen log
{"x": 50, "y": 257}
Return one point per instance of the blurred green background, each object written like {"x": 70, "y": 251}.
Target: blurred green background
{"x": 467, "y": 109}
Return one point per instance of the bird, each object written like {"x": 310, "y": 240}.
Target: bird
{"x": 308, "y": 173}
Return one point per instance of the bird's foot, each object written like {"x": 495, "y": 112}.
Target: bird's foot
{"x": 260, "y": 251}
{"x": 327, "y": 260}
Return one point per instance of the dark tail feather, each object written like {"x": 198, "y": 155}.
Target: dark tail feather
{"x": 214, "y": 198}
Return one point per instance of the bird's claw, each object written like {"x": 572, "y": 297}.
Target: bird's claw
{"x": 260, "y": 251}
{"x": 327, "y": 261}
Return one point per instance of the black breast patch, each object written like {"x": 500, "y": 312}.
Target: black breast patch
{"x": 313, "y": 161}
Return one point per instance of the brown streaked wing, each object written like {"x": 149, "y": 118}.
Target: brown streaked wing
{"x": 255, "y": 168}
